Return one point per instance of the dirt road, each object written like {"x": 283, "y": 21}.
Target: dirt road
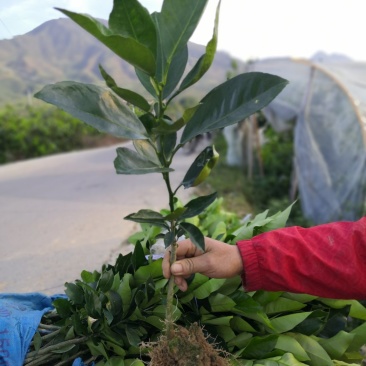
{"x": 64, "y": 213}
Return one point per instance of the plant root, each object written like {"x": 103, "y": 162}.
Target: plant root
{"x": 188, "y": 347}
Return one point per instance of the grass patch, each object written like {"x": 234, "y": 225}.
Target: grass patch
{"x": 242, "y": 195}
{"x": 228, "y": 182}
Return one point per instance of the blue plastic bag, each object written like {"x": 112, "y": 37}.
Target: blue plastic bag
{"x": 20, "y": 315}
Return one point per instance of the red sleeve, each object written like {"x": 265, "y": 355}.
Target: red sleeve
{"x": 327, "y": 260}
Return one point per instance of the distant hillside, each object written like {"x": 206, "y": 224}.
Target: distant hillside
{"x": 60, "y": 50}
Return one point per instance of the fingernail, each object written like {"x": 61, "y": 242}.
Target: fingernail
{"x": 176, "y": 268}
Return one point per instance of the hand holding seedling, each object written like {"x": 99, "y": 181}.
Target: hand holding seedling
{"x": 219, "y": 260}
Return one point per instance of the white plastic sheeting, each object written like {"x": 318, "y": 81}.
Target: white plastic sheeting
{"x": 327, "y": 102}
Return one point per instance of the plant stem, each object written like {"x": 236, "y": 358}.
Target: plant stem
{"x": 173, "y": 257}
{"x": 170, "y": 294}
{"x": 170, "y": 191}
{"x": 57, "y": 346}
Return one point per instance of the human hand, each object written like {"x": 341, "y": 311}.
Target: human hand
{"x": 220, "y": 260}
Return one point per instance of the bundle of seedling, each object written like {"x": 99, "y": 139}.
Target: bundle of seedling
{"x": 128, "y": 313}
{"x": 116, "y": 316}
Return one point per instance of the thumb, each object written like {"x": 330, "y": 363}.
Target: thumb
{"x": 188, "y": 266}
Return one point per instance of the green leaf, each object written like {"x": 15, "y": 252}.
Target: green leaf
{"x": 250, "y": 308}
{"x": 148, "y": 120}
{"x": 315, "y": 351}
{"x": 97, "y": 349}
{"x": 357, "y": 309}
{"x": 134, "y": 362}
{"x": 239, "y": 325}
{"x": 176, "y": 71}
{"x": 304, "y": 298}
{"x": 194, "y": 234}
{"x": 265, "y": 297}
{"x": 128, "y": 95}
{"x": 150, "y": 288}
{"x": 155, "y": 321}
{"x": 105, "y": 281}
{"x": 148, "y": 216}
{"x": 285, "y": 323}
{"x": 152, "y": 270}
{"x": 288, "y": 359}
{"x": 75, "y": 293}
{"x": 360, "y": 338}
{"x": 123, "y": 264}
{"x": 221, "y": 303}
{"x": 337, "y": 345}
{"x": 225, "y": 320}
{"x": 124, "y": 291}
{"x": 175, "y": 25}
{"x": 146, "y": 150}
{"x": 87, "y": 276}
{"x": 160, "y": 310}
{"x": 63, "y": 307}
{"x": 205, "y": 61}
{"x": 127, "y": 48}
{"x": 176, "y": 214}
{"x": 278, "y": 220}
{"x": 130, "y": 162}
{"x": 169, "y": 239}
{"x": 220, "y": 231}
{"x": 166, "y": 127}
{"x": 259, "y": 347}
{"x": 314, "y": 323}
{"x": 138, "y": 257}
{"x": 133, "y": 336}
{"x": 198, "y": 205}
{"x": 96, "y": 106}
{"x": 79, "y": 325}
{"x": 115, "y": 303}
{"x": 63, "y": 349}
{"x": 241, "y": 340}
{"x": 37, "y": 341}
{"x": 168, "y": 142}
{"x": 207, "y": 288}
{"x": 288, "y": 344}
{"x": 93, "y": 305}
{"x": 233, "y": 101}
{"x": 226, "y": 333}
{"x": 282, "y": 305}
{"x": 116, "y": 361}
{"x": 146, "y": 81}
{"x": 201, "y": 167}
{"x": 70, "y": 334}
{"x": 116, "y": 282}
{"x": 130, "y": 19}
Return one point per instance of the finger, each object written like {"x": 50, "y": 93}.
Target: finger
{"x": 186, "y": 249}
{"x": 186, "y": 267}
{"x": 166, "y": 264}
{"x": 181, "y": 283}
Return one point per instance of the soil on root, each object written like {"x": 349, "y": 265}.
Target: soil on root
{"x": 188, "y": 347}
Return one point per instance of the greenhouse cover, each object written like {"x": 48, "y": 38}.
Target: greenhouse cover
{"x": 325, "y": 103}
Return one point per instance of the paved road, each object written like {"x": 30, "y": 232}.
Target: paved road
{"x": 62, "y": 214}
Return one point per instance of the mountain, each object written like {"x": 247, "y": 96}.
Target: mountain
{"x": 60, "y": 50}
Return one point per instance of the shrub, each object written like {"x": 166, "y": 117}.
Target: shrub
{"x": 31, "y": 132}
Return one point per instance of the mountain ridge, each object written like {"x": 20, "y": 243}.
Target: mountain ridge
{"x": 60, "y": 50}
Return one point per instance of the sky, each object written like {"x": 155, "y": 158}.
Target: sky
{"x": 249, "y": 29}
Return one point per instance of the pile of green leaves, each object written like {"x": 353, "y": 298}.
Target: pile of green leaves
{"x": 28, "y": 132}
{"x": 108, "y": 314}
